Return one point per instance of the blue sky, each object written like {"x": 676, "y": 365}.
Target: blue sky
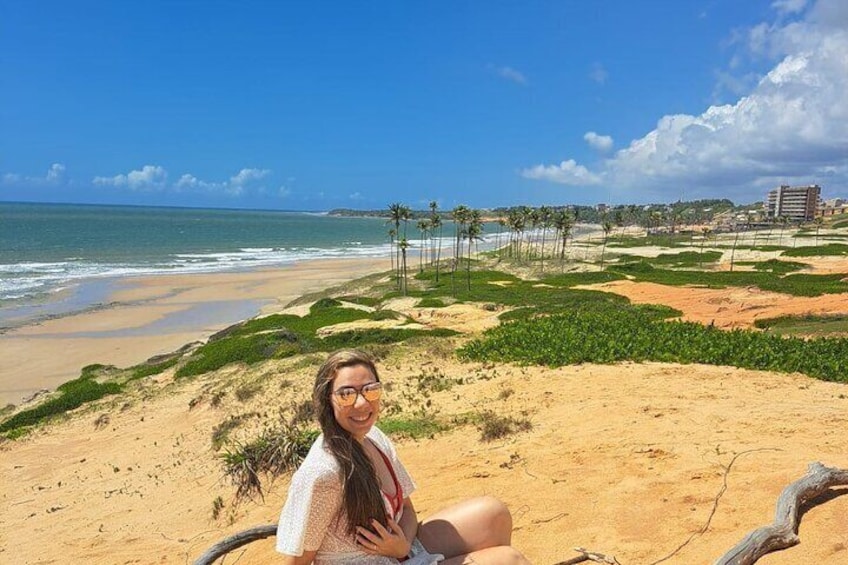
{"x": 313, "y": 105}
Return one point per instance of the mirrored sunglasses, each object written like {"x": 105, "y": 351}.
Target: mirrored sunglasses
{"x": 346, "y": 396}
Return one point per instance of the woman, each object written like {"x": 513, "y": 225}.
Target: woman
{"x": 349, "y": 500}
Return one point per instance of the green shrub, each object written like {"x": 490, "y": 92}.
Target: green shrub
{"x": 779, "y": 267}
{"x": 818, "y": 251}
{"x": 386, "y": 315}
{"x": 141, "y": 371}
{"x": 627, "y": 334}
{"x": 430, "y": 302}
{"x": 74, "y": 394}
{"x": 413, "y": 428}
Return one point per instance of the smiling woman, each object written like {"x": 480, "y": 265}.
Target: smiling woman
{"x": 350, "y": 499}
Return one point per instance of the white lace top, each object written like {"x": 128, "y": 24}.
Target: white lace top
{"x": 308, "y": 520}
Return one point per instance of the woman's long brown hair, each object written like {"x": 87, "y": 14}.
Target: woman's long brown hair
{"x": 360, "y": 486}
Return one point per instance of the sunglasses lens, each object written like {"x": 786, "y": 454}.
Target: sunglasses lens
{"x": 372, "y": 392}
{"x": 346, "y": 397}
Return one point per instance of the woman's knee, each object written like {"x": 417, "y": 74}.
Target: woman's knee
{"x": 497, "y": 512}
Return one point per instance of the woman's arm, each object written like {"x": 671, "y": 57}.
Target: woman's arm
{"x": 305, "y": 559}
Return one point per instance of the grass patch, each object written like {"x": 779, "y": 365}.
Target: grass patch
{"x": 683, "y": 259}
{"x": 628, "y": 334}
{"x": 274, "y": 451}
{"x": 414, "y": 428}
{"x": 778, "y": 267}
{"x": 142, "y": 371}
{"x": 818, "y": 251}
{"x": 806, "y": 325}
{"x": 73, "y": 394}
{"x": 795, "y": 284}
{"x": 283, "y": 335}
{"x": 675, "y": 240}
{"x": 840, "y": 224}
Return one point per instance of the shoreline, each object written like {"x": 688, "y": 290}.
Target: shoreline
{"x": 151, "y": 315}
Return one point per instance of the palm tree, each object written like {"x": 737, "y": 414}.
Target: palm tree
{"x": 733, "y": 249}
{"x": 563, "y": 222}
{"x": 434, "y": 207}
{"x": 545, "y": 222}
{"x": 392, "y": 235}
{"x": 423, "y": 227}
{"x": 436, "y": 222}
{"x": 607, "y": 227}
{"x": 403, "y": 244}
{"x": 819, "y": 222}
{"x": 706, "y": 232}
{"x": 474, "y": 231}
{"x": 396, "y": 213}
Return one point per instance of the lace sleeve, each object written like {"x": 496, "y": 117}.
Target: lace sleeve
{"x": 313, "y": 503}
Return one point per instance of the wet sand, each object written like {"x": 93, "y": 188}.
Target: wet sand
{"x": 149, "y": 316}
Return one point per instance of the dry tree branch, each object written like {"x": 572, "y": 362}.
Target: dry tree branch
{"x": 235, "y": 541}
{"x": 783, "y": 532}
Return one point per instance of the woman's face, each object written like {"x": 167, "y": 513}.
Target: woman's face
{"x": 358, "y": 418}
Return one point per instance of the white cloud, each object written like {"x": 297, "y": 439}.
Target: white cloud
{"x": 789, "y": 6}
{"x": 150, "y": 177}
{"x": 511, "y": 74}
{"x": 792, "y": 126}
{"x": 55, "y": 175}
{"x": 246, "y": 176}
{"x": 598, "y": 73}
{"x": 599, "y": 142}
{"x": 56, "y": 172}
{"x": 356, "y": 196}
{"x": 155, "y": 177}
{"x": 567, "y": 172}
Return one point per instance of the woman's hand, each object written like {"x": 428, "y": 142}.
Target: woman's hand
{"x": 391, "y": 542}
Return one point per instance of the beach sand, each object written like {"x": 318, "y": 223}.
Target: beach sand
{"x": 627, "y": 460}
{"x": 154, "y": 315}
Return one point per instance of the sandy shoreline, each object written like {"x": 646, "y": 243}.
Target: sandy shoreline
{"x": 152, "y": 315}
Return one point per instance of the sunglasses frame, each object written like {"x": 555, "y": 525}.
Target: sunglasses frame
{"x": 376, "y": 387}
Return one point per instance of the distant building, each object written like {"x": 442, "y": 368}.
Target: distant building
{"x": 833, "y": 207}
{"x": 797, "y": 203}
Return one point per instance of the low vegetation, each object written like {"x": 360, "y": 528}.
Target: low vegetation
{"x": 628, "y": 334}
{"x": 806, "y": 325}
{"x": 818, "y": 251}
{"x": 70, "y": 395}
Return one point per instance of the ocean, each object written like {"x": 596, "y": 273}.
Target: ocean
{"x": 61, "y": 258}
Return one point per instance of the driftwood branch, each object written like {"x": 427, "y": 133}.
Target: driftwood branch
{"x": 589, "y": 556}
{"x": 783, "y": 533}
{"x": 235, "y": 541}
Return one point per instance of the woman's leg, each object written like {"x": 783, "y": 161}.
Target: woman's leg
{"x": 478, "y": 529}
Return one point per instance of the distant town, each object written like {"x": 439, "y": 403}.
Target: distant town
{"x": 784, "y": 204}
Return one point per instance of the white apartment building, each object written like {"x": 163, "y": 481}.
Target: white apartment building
{"x": 798, "y": 203}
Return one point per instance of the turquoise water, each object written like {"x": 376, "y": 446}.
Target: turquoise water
{"x": 83, "y": 249}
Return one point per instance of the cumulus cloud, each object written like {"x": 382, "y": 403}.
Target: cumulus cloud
{"x": 510, "y": 74}
{"x": 55, "y": 175}
{"x": 56, "y": 172}
{"x": 599, "y": 142}
{"x": 155, "y": 177}
{"x": 150, "y": 177}
{"x": 246, "y": 176}
{"x": 792, "y": 126}
{"x": 567, "y": 172}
